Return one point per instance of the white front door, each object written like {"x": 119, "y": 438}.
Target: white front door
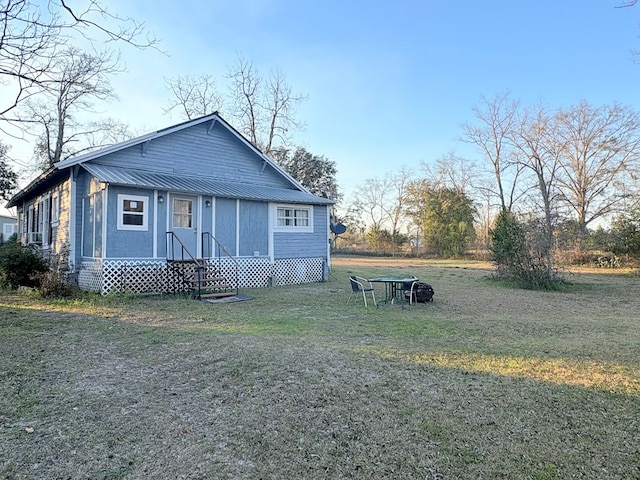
{"x": 183, "y": 219}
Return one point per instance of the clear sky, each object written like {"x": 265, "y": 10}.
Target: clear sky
{"x": 389, "y": 83}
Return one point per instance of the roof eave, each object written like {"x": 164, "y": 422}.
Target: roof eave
{"x": 32, "y": 186}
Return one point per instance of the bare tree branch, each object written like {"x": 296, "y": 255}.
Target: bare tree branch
{"x": 32, "y": 37}
{"x": 125, "y": 29}
{"x": 79, "y": 79}
{"x": 600, "y": 152}
{"x": 194, "y": 95}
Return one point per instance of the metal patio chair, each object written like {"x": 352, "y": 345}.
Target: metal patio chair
{"x": 408, "y": 288}
{"x": 361, "y": 286}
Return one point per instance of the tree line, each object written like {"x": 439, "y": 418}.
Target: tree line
{"x": 559, "y": 174}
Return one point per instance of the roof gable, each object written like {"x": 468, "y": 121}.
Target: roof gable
{"x": 213, "y": 123}
{"x": 206, "y": 147}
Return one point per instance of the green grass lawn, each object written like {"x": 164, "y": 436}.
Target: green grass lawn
{"x": 486, "y": 382}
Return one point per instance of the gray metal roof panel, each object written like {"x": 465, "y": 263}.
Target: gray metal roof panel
{"x": 200, "y": 185}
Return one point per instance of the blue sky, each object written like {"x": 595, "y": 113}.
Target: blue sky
{"x": 388, "y": 83}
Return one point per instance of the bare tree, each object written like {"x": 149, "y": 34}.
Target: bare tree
{"x": 82, "y": 138}
{"x": 381, "y": 204}
{"x": 263, "y": 109}
{"x": 280, "y": 104}
{"x": 397, "y": 183}
{"x": 598, "y": 160}
{"x": 194, "y": 96}
{"x": 245, "y": 93}
{"x": 454, "y": 172}
{"x": 491, "y": 136}
{"x": 370, "y": 199}
{"x": 536, "y": 148}
{"x": 78, "y": 80}
{"x": 32, "y": 36}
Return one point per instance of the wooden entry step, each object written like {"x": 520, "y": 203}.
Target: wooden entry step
{"x": 218, "y": 294}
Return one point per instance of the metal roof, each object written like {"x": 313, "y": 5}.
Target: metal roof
{"x": 200, "y": 185}
{"x": 122, "y": 176}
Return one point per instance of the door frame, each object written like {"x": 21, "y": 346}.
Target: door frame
{"x": 196, "y": 218}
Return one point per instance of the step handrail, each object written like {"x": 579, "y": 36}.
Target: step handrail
{"x": 221, "y": 248}
{"x": 171, "y": 238}
{"x": 174, "y": 237}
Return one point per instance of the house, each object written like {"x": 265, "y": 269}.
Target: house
{"x": 125, "y": 217}
{"x": 8, "y": 226}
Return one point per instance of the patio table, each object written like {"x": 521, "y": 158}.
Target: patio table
{"x": 394, "y": 287}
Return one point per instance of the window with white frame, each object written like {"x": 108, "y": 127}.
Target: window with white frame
{"x": 39, "y": 220}
{"x": 293, "y": 218}
{"x": 132, "y": 212}
{"x": 36, "y": 223}
{"x": 55, "y": 208}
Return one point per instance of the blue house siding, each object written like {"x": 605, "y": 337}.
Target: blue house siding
{"x": 128, "y": 243}
{"x": 161, "y": 231}
{"x": 254, "y": 228}
{"x": 226, "y": 223}
{"x": 195, "y": 152}
{"x": 301, "y": 245}
{"x": 207, "y": 213}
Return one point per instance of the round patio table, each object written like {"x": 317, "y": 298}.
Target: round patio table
{"x": 394, "y": 287}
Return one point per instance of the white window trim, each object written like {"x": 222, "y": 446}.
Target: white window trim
{"x": 45, "y": 222}
{"x": 296, "y": 229}
{"x": 145, "y": 213}
{"x": 55, "y": 209}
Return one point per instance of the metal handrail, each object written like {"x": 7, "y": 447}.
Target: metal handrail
{"x": 171, "y": 238}
{"x": 183, "y": 249}
{"x": 220, "y": 248}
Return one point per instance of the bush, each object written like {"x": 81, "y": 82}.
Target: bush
{"x": 625, "y": 230}
{"x": 519, "y": 254}
{"x": 20, "y": 265}
{"x": 508, "y": 244}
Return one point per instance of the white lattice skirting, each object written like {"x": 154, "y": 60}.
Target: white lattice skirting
{"x": 138, "y": 277}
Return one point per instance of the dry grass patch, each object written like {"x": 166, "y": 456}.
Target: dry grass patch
{"x": 486, "y": 382}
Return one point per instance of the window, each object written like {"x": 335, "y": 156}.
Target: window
{"x": 39, "y": 220}
{"x": 132, "y": 212}
{"x": 35, "y": 223}
{"x": 182, "y": 213}
{"x": 8, "y": 229}
{"x": 293, "y": 218}
{"x": 55, "y": 208}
